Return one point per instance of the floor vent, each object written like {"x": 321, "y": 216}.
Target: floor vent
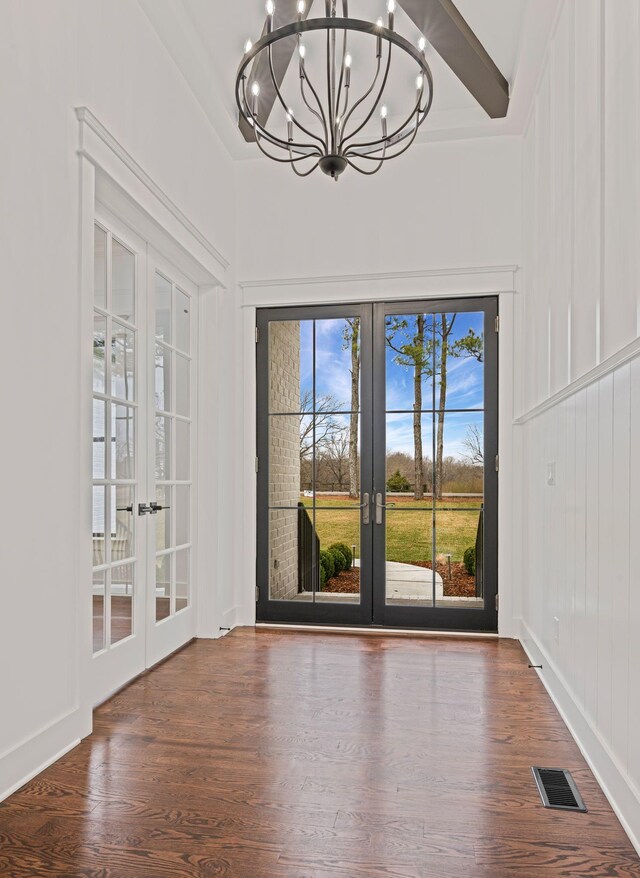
{"x": 558, "y": 789}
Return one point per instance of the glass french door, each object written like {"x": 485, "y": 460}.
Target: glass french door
{"x": 377, "y": 482}
{"x": 141, "y": 458}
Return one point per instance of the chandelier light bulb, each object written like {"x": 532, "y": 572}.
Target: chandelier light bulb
{"x": 301, "y": 7}
{"x": 255, "y": 89}
{"x": 383, "y": 112}
{"x": 347, "y": 60}
{"x": 380, "y": 23}
{"x": 391, "y": 6}
{"x": 422, "y": 44}
{"x": 419, "y": 81}
{"x": 270, "y": 7}
{"x": 248, "y": 46}
{"x": 302, "y": 51}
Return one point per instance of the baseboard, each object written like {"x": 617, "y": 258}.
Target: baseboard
{"x": 622, "y": 795}
{"x": 20, "y": 764}
{"x": 376, "y": 632}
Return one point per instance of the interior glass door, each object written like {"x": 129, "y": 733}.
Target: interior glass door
{"x": 435, "y": 479}
{"x": 314, "y": 464}
{"x": 170, "y": 611}
{"x": 119, "y": 558}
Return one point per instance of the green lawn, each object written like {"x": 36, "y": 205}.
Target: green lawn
{"x": 409, "y": 532}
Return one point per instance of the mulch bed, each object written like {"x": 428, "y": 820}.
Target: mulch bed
{"x": 347, "y": 582}
{"x": 461, "y": 585}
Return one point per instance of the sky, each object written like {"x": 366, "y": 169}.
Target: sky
{"x": 333, "y": 378}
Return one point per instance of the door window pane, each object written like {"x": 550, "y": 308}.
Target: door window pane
{"x": 163, "y": 587}
{"x": 122, "y": 442}
{"x": 163, "y": 378}
{"x": 163, "y": 309}
{"x": 99, "y": 348}
{"x": 410, "y": 359}
{"x": 98, "y": 602}
{"x": 290, "y": 459}
{"x": 99, "y": 518}
{"x": 123, "y": 361}
{"x": 121, "y": 602}
{"x": 182, "y": 579}
{"x": 123, "y": 280}
{"x": 99, "y": 439}
{"x": 122, "y": 522}
{"x": 291, "y": 366}
{"x": 337, "y": 365}
{"x": 459, "y": 545}
{"x": 100, "y": 267}
{"x": 183, "y": 496}
{"x": 460, "y": 349}
{"x": 182, "y": 385}
{"x": 183, "y": 451}
{"x": 338, "y": 533}
{"x": 409, "y": 575}
{"x": 163, "y": 519}
{"x": 163, "y": 448}
{"x": 183, "y": 312}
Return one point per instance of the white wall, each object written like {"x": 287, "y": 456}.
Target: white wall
{"x": 579, "y": 386}
{"x": 442, "y": 205}
{"x": 56, "y": 55}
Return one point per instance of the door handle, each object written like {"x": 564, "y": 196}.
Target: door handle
{"x": 143, "y": 509}
{"x": 366, "y": 509}
{"x": 155, "y": 507}
{"x": 124, "y": 508}
{"x": 379, "y": 507}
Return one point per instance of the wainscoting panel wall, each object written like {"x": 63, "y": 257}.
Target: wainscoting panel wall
{"x": 579, "y": 386}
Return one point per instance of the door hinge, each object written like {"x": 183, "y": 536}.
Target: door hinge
{"x": 257, "y": 335}
{"x": 497, "y": 463}
{"x": 497, "y": 324}
{"x": 257, "y": 593}
{"x": 257, "y": 464}
{"x": 497, "y": 602}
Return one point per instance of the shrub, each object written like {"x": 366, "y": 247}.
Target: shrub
{"x": 326, "y": 565}
{"x": 323, "y": 577}
{"x": 469, "y": 559}
{"x": 346, "y": 551}
{"x": 339, "y": 560}
{"x": 397, "y": 482}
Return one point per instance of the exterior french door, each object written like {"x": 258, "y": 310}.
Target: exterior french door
{"x": 143, "y": 386}
{"x": 377, "y": 482}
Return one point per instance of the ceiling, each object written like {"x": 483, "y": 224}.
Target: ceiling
{"x": 206, "y": 39}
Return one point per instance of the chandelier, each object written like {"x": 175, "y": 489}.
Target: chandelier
{"x": 343, "y": 118}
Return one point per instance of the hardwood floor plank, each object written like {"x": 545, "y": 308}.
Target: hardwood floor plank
{"x": 273, "y": 754}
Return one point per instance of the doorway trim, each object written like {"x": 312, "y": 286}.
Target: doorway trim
{"x": 502, "y": 281}
{"x": 111, "y": 177}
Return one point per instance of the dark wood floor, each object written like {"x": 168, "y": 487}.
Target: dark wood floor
{"x": 295, "y": 755}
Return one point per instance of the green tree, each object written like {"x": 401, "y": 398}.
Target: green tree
{"x": 425, "y": 345}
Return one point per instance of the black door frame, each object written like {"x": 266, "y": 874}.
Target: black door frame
{"x": 373, "y": 611}
{"x": 318, "y": 612}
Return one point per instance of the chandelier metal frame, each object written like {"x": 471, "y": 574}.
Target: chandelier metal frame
{"x": 333, "y": 146}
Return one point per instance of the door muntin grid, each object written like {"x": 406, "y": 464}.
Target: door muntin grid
{"x": 115, "y": 440}
{"x": 173, "y": 438}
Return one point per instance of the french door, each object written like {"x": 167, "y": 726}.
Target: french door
{"x": 143, "y": 404}
{"x": 377, "y": 449}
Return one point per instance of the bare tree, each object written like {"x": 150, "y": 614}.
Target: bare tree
{"x": 324, "y": 419}
{"x": 474, "y": 445}
{"x": 352, "y": 342}
{"x": 335, "y": 457}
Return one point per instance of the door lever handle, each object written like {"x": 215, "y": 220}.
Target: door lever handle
{"x": 366, "y": 509}
{"x": 155, "y": 507}
{"x": 124, "y": 508}
{"x": 379, "y": 507}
